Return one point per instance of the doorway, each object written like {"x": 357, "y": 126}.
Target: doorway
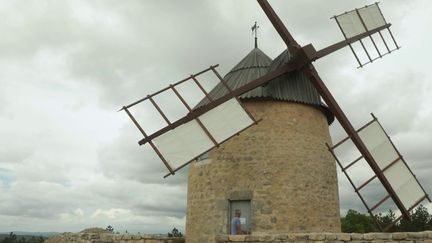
{"x": 245, "y": 218}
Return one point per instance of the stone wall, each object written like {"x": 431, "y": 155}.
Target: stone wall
{"x": 96, "y": 235}
{"x": 281, "y": 165}
{"x": 403, "y": 237}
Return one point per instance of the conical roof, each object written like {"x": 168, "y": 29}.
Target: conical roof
{"x": 294, "y": 87}
{"x": 252, "y": 66}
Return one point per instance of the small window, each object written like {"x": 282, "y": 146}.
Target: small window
{"x": 240, "y": 210}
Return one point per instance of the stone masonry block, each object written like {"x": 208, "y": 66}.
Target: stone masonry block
{"x": 280, "y": 237}
{"x": 221, "y": 238}
{"x": 417, "y": 235}
{"x": 369, "y": 236}
{"x": 356, "y": 236}
{"x": 330, "y": 236}
{"x": 236, "y": 238}
{"x": 399, "y": 236}
{"x": 316, "y": 236}
{"x": 266, "y": 238}
{"x": 301, "y": 236}
{"x": 343, "y": 237}
{"x": 382, "y": 236}
{"x": 252, "y": 238}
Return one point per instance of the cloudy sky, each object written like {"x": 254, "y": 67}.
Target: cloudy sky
{"x": 69, "y": 161}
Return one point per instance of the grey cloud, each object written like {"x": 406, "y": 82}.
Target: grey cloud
{"x": 143, "y": 199}
{"x": 124, "y": 158}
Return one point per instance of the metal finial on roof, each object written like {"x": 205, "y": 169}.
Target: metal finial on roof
{"x": 255, "y": 32}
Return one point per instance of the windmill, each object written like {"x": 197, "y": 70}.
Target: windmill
{"x": 222, "y": 116}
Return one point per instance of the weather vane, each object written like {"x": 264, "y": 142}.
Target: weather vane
{"x": 254, "y": 29}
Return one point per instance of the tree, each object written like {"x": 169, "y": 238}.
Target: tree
{"x": 357, "y": 222}
{"x": 110, "y": 228}
{"x": 12, "y": 238}
{"x": 420, "y": 221}
{"x": 387, "y": 220}
{"x": 175, "y": 233}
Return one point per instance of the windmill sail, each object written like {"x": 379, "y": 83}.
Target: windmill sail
{"x": 185, "y": 139}
{"x": 363, "y": 20}
{"x": 190, "y": 140}
{"x": 391, "y": 164}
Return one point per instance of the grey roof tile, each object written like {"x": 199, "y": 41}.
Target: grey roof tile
{"x": 294, "y": 87}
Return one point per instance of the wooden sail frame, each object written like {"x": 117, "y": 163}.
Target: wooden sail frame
{"x": 392, "y": 159}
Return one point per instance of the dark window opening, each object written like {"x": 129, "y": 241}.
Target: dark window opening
{"x": 240, "y": 212}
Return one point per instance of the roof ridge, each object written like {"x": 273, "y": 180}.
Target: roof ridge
{"x": 244, "y": 68}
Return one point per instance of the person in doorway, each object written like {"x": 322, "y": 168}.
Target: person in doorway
{"x": 236, "y": 224}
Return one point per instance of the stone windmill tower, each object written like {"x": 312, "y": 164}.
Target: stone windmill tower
{"x": 280, "y": 172}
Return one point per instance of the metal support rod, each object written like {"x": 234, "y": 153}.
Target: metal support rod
{"x": 352, "y": 49}
{"x": 366, "y": 28}
{"x": 221, "y": 80}
{"x": 380, "y": 202}
{"x": 385, "y": 43}
{"x": 150, "y": 142}
{"x": 352, "y": 184}
{"x": 159, "y": 110}
{"x": 376, "y": 47}
{"x": 367, "y": 53}
{"x": 366, "y": 182}
{"x": 201, "y": 88}
{"x": 279, "y": 26}
{"x": 391, "y": 163}
{"x": 175, "y": 84}
{"x": 206, "y": 131}
{"x": 340, "y": 142}
{"x": 393, "y": 223}
{"x": 364, "y": 64}
{"x": 247, "y": 111}
{"x": 391, "y": 34}
{"x": 352, "y": 163}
